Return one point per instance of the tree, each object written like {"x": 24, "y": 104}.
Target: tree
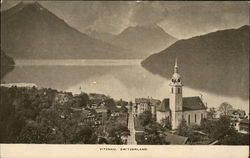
{"x": 222, "y": 128}
{"x": 183, "y": 128}
{"x": 145, "y": 117}
{"x": 235, "y": 139}
{"x": 225, "y": 107}
{"x": 85, "y": 135}
{"x": 14, "y": 126}
{"x": 124, "y": 109}
{"x": 60, "y": 117}
{"x": 223, "y": 131}
{"x": 116, "y": 131}
{"x": 207, "y": 126}
{"x": 166, "y": 123}
{"x": 122, "y": 103}
{"x": 152, "y": 135}
{"x": 82, "y": 100}
{"x": 187, "y": 131}
{"x": 211, "y": 112}
{"x": 34, "y": 133}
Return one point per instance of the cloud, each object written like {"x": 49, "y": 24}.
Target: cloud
{"x": 182, "y": 19}
{"x": 148, "y": 13}
{"x": 194, "y": 19}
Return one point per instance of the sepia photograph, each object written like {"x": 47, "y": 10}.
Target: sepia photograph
{"x": 141, "y": 74}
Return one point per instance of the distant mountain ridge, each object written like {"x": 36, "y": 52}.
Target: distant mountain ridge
{"x": 104, "y": 36}
{"x": 217, "y": 62}
{"x": 6, "y": 63}
{"x": 31, "y": 31}
{"x": 6, "y": 60}
{"x": 145, "y": 40}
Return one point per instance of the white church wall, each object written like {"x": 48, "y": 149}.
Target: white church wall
{"x": 192, "y": 116}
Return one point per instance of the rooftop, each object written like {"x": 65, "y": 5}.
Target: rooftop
{"x": 239, "y": 112}
{"x": 164, "y": 106}
{"x": 244, "y": 121}
{"x": 147, "y": 100}
{"x": 189, "y": 103}
{"x": 100, "y": 110}
{"x": 175, "y": 139}
{"x": 141, "y": 100}
{"x": 193, "y": 103}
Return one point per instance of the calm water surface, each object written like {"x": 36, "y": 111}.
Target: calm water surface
{"x": 118, "y": 78}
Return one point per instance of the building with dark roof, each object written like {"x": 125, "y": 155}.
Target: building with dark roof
{"x": 176, "y": 107}
{"x": 174, "y": 139}
{"x": 244, "y": 126}
{"x": 237, "y": 114}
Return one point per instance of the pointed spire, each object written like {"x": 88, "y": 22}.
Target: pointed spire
{"x": 176, "y": 66}
{"x": 176, "y": 62}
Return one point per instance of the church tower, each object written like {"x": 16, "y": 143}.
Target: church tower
{"x": 175, "y": 99}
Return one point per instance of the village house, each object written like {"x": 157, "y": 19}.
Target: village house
{"x": 63, "y": 97}
{"x": 244, "y": 126}
{"x": 145, "y": 104}
{"x": 97, "y": 116}
{"x": 236, "y": 117}
{"x": 177, "y": 107}
{"x": 101, "y": 116}
{"x": 86, "y": 116}
{"x": 236, "y": 114}
{"x": 95, "y": 99}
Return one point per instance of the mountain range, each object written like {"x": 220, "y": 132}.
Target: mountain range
{"x": 144, "y": 39}
{"x": 30, "y": 31}
{"x": 217, "y": 62}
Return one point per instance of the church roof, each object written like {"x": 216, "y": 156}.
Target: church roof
{"x": 193, "y": 103}
{"x": 189, "y": 103}
{"x": 164, "y": 106}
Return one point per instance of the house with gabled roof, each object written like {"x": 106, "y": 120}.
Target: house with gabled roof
{"x": 177, "y": 107}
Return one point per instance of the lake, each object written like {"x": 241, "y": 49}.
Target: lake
{"x": 124, "y": 79}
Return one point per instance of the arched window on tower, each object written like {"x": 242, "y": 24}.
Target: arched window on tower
{"x": 188, "y": 119}
{"x": 195, "y": 118}
{"x": 179, "y": 90}
{"x": 172, "y": 90}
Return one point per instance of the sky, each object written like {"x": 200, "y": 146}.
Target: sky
{"x": 181, "y": 19}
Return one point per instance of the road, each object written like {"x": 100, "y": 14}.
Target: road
{"x": 131, "y": 126}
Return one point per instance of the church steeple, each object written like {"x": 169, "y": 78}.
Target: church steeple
{"x": 176, "y": 97}
{"x": 176, "y": 78}
{"x": 175, "y": 66}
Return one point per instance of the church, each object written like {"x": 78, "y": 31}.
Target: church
{"x": 177, "y": 107}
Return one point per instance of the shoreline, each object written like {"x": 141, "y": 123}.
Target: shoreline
{"x": 77, "y": 62}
